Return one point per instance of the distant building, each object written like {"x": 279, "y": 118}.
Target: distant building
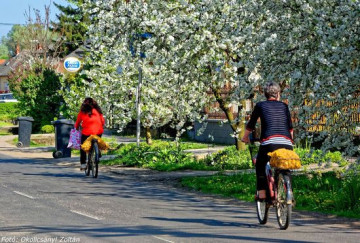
{"x": 4, "y": 73}
{"x": 5, "y": 69}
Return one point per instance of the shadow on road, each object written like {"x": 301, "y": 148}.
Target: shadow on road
{"x": 113, "y": 187}
{"x": 136, "y": 231}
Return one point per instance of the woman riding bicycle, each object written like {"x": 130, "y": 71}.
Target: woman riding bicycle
{"x": 92, "y": 122}
{"x": 276, "y": 131}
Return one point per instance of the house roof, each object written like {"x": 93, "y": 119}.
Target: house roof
{"x": 5, "y": 69}
{"x": 79, "y": 52}
{"x": 13, "y": 62}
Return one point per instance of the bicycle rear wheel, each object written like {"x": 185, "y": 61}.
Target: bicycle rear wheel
{"x": 283, "y": 207}
{"x": 94, "y": 159}
{"x": 262, "y": 210}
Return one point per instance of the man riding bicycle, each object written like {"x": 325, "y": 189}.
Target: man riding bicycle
{"x": 276, "y": 131}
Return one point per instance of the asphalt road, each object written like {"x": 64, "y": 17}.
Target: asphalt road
{"x": 48, "y": 200}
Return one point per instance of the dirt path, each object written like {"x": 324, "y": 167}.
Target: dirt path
{"x": 11, "y": 150}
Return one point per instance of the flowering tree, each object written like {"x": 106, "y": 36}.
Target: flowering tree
{"x": 212, "y": 44}
{"x": 312, "y": 48}
{"x": 118, "y": 43}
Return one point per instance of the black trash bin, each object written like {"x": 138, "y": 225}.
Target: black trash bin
{"x": 62, "y": 135}
{"x": 25, "y": 128}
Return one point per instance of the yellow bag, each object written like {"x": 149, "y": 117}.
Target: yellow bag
{"x": 284, "y": 159}
{"x": 87, "y": 143}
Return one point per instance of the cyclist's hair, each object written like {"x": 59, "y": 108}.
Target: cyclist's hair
{"x": 271, "y": 90}
{"x": 88, "y": 105}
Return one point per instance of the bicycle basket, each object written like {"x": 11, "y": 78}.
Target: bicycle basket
{"x": 284, "y": 159}
{"x": 101, "y": 143}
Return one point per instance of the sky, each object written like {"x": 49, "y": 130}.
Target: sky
{"x": 13, "y": 11}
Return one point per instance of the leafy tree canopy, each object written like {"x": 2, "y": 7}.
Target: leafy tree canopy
{"x": 72, "y": 24}
{"x": 14, "y": 37}
{"x": 4, "y": 52}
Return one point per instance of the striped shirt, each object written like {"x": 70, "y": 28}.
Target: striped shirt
{"x": 276, "y": 125}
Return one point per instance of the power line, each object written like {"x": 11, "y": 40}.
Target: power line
{"x": 8, "y": 24}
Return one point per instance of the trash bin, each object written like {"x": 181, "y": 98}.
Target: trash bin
{"x": 62, "y": 135}
{"x": 24, "y": 134}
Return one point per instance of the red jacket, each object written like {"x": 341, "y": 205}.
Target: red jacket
{"x": 90, "y": 125}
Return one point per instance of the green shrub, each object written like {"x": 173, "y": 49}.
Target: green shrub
{"x": 229, "y": 159}
{"x": 9, "y": 111}
{"x": 38, "y": 93}
{"x": 47, "y": 129}
{"x": 319, "y": 157}
{"x": 165, "y": 157}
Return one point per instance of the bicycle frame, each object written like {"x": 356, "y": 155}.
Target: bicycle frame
{"x": 271, "y": 182}
{"x": 273, "y": 187}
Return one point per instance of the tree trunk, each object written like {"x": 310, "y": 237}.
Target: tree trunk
{"x": 242, "y": 119}
{"x": 239, "y": 145}
{"x": 229, "y": 115}
{"x": 148, "y": 136}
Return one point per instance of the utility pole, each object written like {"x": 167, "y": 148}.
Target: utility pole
{"x": 138, "y": 106}
{"x": 139, "y": 37}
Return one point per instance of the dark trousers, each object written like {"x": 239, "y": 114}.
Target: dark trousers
{"x": 262, "y": 159}
{"x": 82, "y": 152}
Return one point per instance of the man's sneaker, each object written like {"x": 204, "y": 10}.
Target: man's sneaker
{"x": 83, "y": 167}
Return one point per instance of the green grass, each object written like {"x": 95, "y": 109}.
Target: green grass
{"x": 6, "y": 124}
{"x": 229, "y": 159}
{"x": 165, "y": 156}
{"x": 160, "y": 156}
{"x": 183, "y": 144}
{"x": 3, "y": 133}
{"x": 240, "y": 186}
{"x": 32, "y": 143}
{"x": 326, "y": 193}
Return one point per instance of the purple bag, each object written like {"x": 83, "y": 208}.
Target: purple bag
{"x": 75, "y": 139}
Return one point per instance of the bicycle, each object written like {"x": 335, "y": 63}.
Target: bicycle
{"x": 92, "y": 163}
{"x": 279, "y": 194}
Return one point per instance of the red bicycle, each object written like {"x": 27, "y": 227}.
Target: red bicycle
{"x": 279, "y": 193}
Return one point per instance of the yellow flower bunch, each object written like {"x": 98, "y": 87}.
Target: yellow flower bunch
{"x": 284, "y": 159}
{"x": 87, "y": 143}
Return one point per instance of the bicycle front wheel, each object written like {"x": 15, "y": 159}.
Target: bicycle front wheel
{"x": 262, "y": 210}
{"x": 283, "y": 207}
{"x": 94, "y": 160}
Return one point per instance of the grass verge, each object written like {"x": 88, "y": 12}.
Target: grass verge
{"x": 165, "y": 156}
{"x": 329, "y": 192}
{"x": 37, "y": 141}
